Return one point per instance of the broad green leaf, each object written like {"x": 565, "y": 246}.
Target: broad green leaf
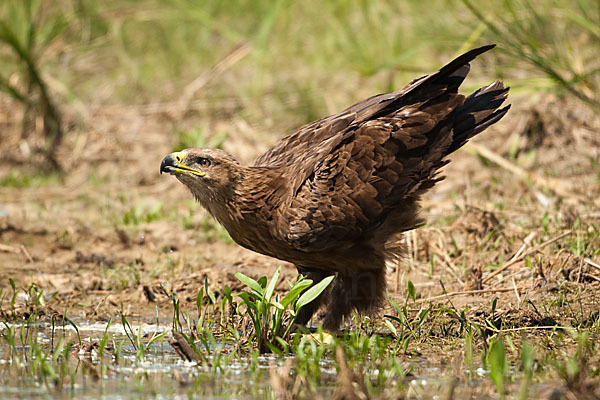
{"x": 391, "y": 327}
{"x": 295, "y": 291}
{"x": 245, "y": 296}
{"x": 199, "y": 299}
{"x": 412, "y": 292}
{"x": 262, "y": 281}
{"x": 272, "y": 284}
{"x": 313, "y": 292}
{"x": 498, "y": 363}
{"x": 274, "y": 349}
{"x": 227, "y": 292}
{"x": 251, "y": 283}
{"x": 209, "y": 293}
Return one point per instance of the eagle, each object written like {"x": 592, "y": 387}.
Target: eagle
{"x": 335, "y": 197}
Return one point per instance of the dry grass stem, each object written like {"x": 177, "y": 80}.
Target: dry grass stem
{"x": 183, "y": 348}
{"x": 516, "y": 291}
{"x": 350, "y": 386}
{"x": 26, "y": 253}
{"x": 561, "y": 187}
{"x": 592, "y": 263}
{"x": 9, "y": 249}
{"x": 468, "y": 293}
{"x": 240, "y": 51}
{"x": 523, "y": 255}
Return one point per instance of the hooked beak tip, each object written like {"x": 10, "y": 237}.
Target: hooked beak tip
{"x": 168, "y": 163}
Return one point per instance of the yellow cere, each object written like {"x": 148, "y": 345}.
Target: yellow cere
{"x": 179, "y": 157}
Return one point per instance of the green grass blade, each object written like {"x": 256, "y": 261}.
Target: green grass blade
{"x": 251, "y": 283}
{"x": 295, "y": 291}
{"x": 313, "y": 292}
{"x": 272, "y": 284}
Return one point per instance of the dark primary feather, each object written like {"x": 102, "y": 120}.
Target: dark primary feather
{"x": 348, "y": 172}
{"x": 335, "y": 197}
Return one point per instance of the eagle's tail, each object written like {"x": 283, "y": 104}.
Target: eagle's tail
{"x": 477, "y": 113}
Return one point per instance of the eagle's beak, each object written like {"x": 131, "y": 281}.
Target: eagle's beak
{"x": 173, "y": 164}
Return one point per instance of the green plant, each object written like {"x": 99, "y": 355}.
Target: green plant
{"x": 27, "y": 30}
{"x": 19, "y": 180}
{"x": 271, "y": 315}
{"x": 136, "y": 338}
{"x": 143, "y": 213}
{"x": 542, "y": 32}
{"x": 575, "y": 369}
{"x": 198, "y": 137}
{"x": 410, "y": 327}
{"x": 527, "y": 361}
{"x": 498, "y": 364}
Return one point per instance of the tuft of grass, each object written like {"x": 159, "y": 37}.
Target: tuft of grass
{"x": 27, "y": 32}
{"x": 18, "y": 180}
{"x": 142, "y": 213}
{"x": 542, "y": 33}
{"x": 198, "y": 137}
{"x": 273, "y": 316}
{"x": 498, "y": 364}
{"x": 527, "y": 365}
{"x": 410, "y": 328}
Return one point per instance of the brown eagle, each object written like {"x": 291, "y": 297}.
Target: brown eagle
{"x": 334, "y": 197}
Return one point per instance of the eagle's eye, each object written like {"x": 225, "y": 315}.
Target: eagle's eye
{"x": 204, "y": 162}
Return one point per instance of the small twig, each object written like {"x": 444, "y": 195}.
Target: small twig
{"x": 523, "y": 255}
{"x": 445, "y": 255}
{"x": 526, "y": 328}
{"x": 467, "y": 292}
{"x": 183, "y": 348}
{"x": 593, "y": 277}
{"x": 562, "y": 264}
{"x": 560, "y": 187}
{"x": 223, "y": 65}
{"x": 9, "y": 249}
{"x": 100, "y": 303}
{"x": 516, "y": 291}
{"x": 579, "y": 271}
{"x": 26, "y": 253}
{"x": 441, "y": 251}
{"x": 514, "y": 274}
{"x": 526, "y": 243}
{"x": 591, "y": 263}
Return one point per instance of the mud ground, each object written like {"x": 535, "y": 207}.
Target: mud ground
{"x": 111, "y": 233}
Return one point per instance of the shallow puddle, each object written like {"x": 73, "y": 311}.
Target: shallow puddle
{"x": 123, "y": 372}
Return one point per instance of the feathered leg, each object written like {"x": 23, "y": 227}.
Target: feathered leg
{"x": 362, "y": 291}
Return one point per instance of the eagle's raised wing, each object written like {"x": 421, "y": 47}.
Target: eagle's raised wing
{"x": 349, "y": 171}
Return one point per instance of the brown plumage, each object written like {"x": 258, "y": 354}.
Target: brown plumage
{"x": 335, "y": 197}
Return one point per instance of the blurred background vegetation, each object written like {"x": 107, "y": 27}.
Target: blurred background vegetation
{"x": 274, "y": 64}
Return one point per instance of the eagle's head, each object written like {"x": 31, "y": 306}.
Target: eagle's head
{"x": 210, "y": 174}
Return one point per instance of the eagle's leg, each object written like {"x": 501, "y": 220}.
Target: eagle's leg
{"x": 316, "y": 275}
{"x": 362, "y": 291}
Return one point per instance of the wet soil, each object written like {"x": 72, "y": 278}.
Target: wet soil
{"x": 112, "y": 235}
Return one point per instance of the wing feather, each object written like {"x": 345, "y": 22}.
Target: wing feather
{"x": 347, "y": 172}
